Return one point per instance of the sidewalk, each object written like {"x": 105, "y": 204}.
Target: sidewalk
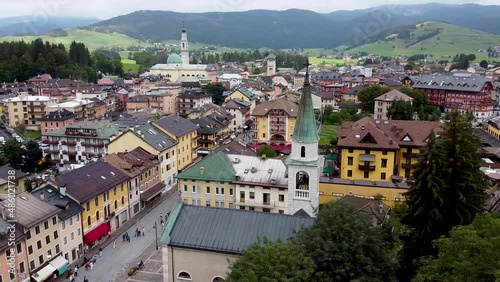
{"x": 117, "y": 234}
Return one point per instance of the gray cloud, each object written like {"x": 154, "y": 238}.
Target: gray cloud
{"x": 110, "y": 8}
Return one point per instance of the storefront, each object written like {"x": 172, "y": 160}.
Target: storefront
{"x": 45, "y": 274}
{"x": 152, "y": 194}
{"x": 61, "y": 264}
{"x": 96, "y": 234}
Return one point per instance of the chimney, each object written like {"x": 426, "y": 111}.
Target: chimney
{"x": 42, "y": 196}
{"x": 380, "y": 208}
{"x": 62, "y": 189}
{"x": 202, "y": 170}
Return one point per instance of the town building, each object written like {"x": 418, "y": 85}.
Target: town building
{"x": 143, "y": 168}
{"x": 494, "y": 127}
{"x": 13, "y": 253}
{"x": 240, "y": 110}
{"x": 327, "y": 99}
{"x": 162, "y": 100}
{"x": 155, "y": 142}
{"x": 382, "y": 150}
{"x": 244, "y": 94}
{"x": 274, "y": 121}
{"x": 56, "y": 119}
{"x": 192, "y": 99}
{"x": 384, "y": 102}
{"x": 271, "y": 64}
{"x": 304, "y": 162}
{"x": 79, "y": 143}
{"x": 234, "y": 79}
{"x": 184, "y": 132}
{"x": 27, "y": 110}
{"x": 105, "y": 202}
{"x": 463, "y": 91}
{"x": 70, "y": 226}
{"x": 84, "y": 110}
{"x": 40, "y": 223}
{"x": 11, "y": 181}
{"x": 221, "y": 237}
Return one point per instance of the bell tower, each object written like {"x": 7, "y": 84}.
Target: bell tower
{"x": 303, "y": 162}
{"x": 184, "y": 46}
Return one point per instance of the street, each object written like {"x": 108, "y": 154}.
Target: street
{"x": 5, "y": 134}
{"x": 245, "y": 137}
{"x": 115, "y": 262}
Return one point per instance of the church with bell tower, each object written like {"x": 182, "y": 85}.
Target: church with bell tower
{"x": 304, "y": 162}
{"x": 184, "y": 46}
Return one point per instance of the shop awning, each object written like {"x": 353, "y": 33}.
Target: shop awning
{"x": 60, "y": 263}
{"x": 44, "y": 273}
{"x": 153, "y": 191}
{"x": 96, "y": 233}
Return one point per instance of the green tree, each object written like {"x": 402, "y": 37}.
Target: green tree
{"x": 216, "y": 90}
{"x": 271, "y": 261}
{"x": 483, "y": 64}
{"x": 419, "y": 97}
{"x": 462, "y": 61}
{"x": 327, "y": 111}
{"x": 268, "y": 151}
{"x": 345, "y": 246}
{"x": 13, "y": 152}
{"x": 33, "y": 155}
{"x": 367, "y": 96}
{"x": 449, "y": 189}
{"x": 469, "y": 254}
{"x": 400, "y": 110}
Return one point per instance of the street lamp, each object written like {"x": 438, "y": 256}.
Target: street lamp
{"x": 156, "y": 235}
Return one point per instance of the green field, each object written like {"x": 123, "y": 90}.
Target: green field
{"x": 450, "y": 41}
{"x": 327, "y": 133}
{"x": 32, "y": 134}
{"x": 93, "y": 40}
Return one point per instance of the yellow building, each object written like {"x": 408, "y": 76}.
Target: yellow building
{"x": 27, "y": 110}
{"x": 40, "y": 224}
{"x": 335, "y": 188}
{"x": 14, "y": 254}
{"x": 185, "y": 133}
{"x": 382, "y": 150}
{"x": 494, "y": 127}
{"x": 243, "y": 94}
{"x": 105, "y": 202}
{"x": 11, "y": 181}
{"x": 275, "y": 121}
{"x": 208, "y": 182}
{"x": 155, "y": 142}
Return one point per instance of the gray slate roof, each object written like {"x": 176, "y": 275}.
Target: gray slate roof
{"x": 227, "y": 230}
{"x": 155, "y": 137}
{"x": 457, "y": 82}
{"x": 68, "y": 206}
{"x": 30, "y": 210}
{"x": 176, "y": 125}
{"x": 4, "y": 172}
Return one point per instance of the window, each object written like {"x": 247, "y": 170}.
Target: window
{"x": 217, "y": 190}
{"x": 54, "y": 220}
{"x": 32, "y": 264}
{"x": 384, "y": 153}
{"x": 28, "y": 234}
{"x": 58, "y": 250}
{"x": 96, "y": 201}
{"x": 208, "y": 204}
{"x": 384, "y": 163}
{"x": 208, "y": 189}
{"x": 77, "y": 217}
{"x": 49, "y": 254}
{"x": 40, "y": 259}
{"x": 349, "y": 173}
{"x": 350, "y": 160}
{"x": 39, "y": 244}
{"x": 183, "y": 275}
{"x": 88, "y": 206}
{"x": 79, "y": 232}
{"x": 185, "y": 188}
{"x": 252, "y": 195}
{"x": 19, "y": 248}
{"x": 231, "y": 192}
{"x": 21, "y": 267}
{"x": 194, "y": 188}
{"x": 303, "y": 152}
{"x": 56, "y": 235}
{"x": 89, "y": 220}
{"x": 218, "y": 279}
{"x": 63, "y": 223}
{"x": 281, "y": 198}
{"x": 37, "y": 229}
{"x": 65, "y": 240}
{"x": 97, "y": 215}
{"x": 123, "y": 200}
{"x": 382, "y": 175}
{"x": 266, "y": 210}
{"x": 222, "y": 191}
{"x": 72, "y": 236}
{"x": 47, "y": 239}
{"x": 242, "y": 195}
{"x": 30, "y": 250}
{"x": 366, "y": 174}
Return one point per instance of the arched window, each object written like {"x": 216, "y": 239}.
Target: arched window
{"x": 97, "y": 215}
{"x": 183, "y": 275}
{"x": 89, "y": 220}
{"x": 116, "y": 204}
{"x": 303, "y": 152}
{"x": 302, "y": 180}
{"x": 123, "y": 200}
{"x": 218, "y": 279}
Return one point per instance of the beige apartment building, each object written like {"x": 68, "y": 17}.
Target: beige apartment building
{"x": 27, "y": 110}
{"x": 40, "y": 222}
{"x": 384, "y": 102}
{"x": 16, "y": 268}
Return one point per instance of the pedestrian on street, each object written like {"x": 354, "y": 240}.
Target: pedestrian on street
{"x": 124, "y": 237}
{"x": 162, "y": 222}
{"x": 100, "y": 252}
{"x": 71, "y": 278}
{"x": 161, "y": 216}
{"x": 91, "y": 264}
{"x": 143, "y": 231}
{"x": 128, "y": 238}
{"x": 114, "y": 244}
{"x": 85, "y": 279}
{"x": 76, "y": 271}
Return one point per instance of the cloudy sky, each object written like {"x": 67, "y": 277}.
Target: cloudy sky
{"x": 109, "y": 8}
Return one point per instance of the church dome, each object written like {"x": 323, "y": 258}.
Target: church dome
{"x": 174, "y": 59}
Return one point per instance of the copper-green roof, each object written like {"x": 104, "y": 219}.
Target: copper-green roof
{"x": 215, "y": 168}
{"x": 305, "y": 130}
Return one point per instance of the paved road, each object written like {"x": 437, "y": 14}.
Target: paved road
{"x": 245, "y": 137}
{"x": 115, "y": 262}
{"x": 5, "y": 134}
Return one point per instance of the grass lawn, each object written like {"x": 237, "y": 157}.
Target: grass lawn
{"x": 327, "y": 133}
{"x": 32, "y": 134}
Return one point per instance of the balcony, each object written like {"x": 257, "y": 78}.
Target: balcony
{"x": 366, "y": 167}
{"x": 410, "y": 155}
{"x": 205, "y": 141}
{"x": 36, "y": 106}
{"x": 55, "y": 151}
{"x": 409, "y": 166}
{"x": 89, "y": 144}
{"x": 299, "y": 194}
